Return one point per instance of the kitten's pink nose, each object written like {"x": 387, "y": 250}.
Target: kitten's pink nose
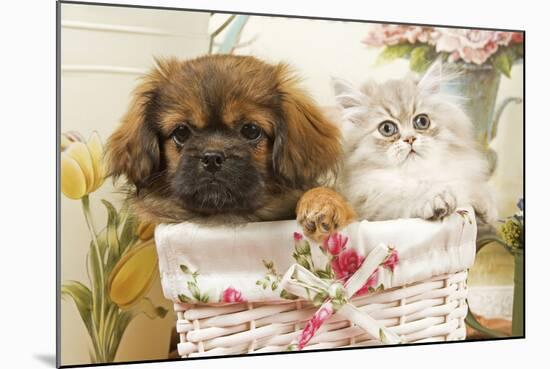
{"x": 410, "y": 139}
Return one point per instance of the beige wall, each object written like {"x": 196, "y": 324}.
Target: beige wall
{"x": 104, "y": 50}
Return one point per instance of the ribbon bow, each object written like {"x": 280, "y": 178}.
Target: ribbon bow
{"x": 336, "y": 296}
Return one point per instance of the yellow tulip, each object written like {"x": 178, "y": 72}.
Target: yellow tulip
{"x": 133, "y": 275}
{"x": 145, "y": 230}
{"x": 82, "y": 169}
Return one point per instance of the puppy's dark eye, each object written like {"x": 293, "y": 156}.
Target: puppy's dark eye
{"x": 251, "y": 131}
{"x": 421, "y": 121}
{"x": 180, "y": 135}
{"x": 387, "y": 128}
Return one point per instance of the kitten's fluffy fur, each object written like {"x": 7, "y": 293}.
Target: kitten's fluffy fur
{"x": 383, "y": 179}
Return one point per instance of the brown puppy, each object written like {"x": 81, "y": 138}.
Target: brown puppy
{"x": 221, "y": 139}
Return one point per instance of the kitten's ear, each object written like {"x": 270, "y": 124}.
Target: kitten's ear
{"x": 347, "y": 95}
{"x": 431, "y": 81}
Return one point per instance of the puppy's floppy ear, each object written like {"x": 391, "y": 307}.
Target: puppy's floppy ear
{"x": 307, "y": 145}
{"x": 133, "y": 149}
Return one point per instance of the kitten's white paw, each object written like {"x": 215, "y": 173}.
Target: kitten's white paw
{"x": 486, "y": 212}
{"x": 437, "y": 206}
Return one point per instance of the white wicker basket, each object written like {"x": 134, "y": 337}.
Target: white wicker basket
{"x": 423, "y": 303}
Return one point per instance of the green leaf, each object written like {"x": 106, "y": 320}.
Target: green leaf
{"x": 146, "y": 306}
{"x": 274, "y": 285}
{"x": 194, "y": 289}
{"x": 322, "y": 274}
{"x": 112, "y": 225}
{"x": 319, "y": 298}
{"x": 184, "y": 268}
{"x": 97, "y": 288}
{"x": 127, "y": 235}
{"x": 287, "y": 295}
{"x": 204, "y": 297}
{"x": 123, "y": 321}
{"x": 302, "y": 260}
{"x": 421, "y": 58}
{"x": 394, "y": 52}
{"x": 268, "y": 264}
{"x": 184, "y": 298}
{"x": 503, "y": 63}
{"x": 111, "y": 319}
{"x": 82, "y": 297}
{"x": 302, "y": 248}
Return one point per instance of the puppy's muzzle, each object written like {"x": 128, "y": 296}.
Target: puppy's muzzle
{"x": 212, "y": 160}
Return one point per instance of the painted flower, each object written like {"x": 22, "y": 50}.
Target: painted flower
{"x": 335, "y": 243}
{"x": 470, "y": 45}
{"x": 517, "y": 37}
{"x": 346, "y": 263}
{"x": 314, "y": 324}
{"x": 392, "y": 260}
{"x": 230, "y": 294}
{"x": 145, "y": 230}
{"x": 82, "y": 169}
{"x": 133, "y": 275}
{"x": 298, "y": 236}
{"x": 370, "y": 283}
{"x": 392, "y": 34}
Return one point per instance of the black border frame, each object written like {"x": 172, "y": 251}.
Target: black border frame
{"x": 58, "y": 179}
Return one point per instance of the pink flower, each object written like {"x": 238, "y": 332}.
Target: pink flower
{"x": 298, "y": 236}
{"x": 370, "y": 283}
{"x": 391, "y": 261}
{"x": 314, "y": 324}
{"x": 472, "y": 46}
{"x": 393, "y": 34}
{"x": 335, "y": 243}
{"x": 346, "y": 263}
{"x": 517, "y": 37}
{"x": 232, "y": 295}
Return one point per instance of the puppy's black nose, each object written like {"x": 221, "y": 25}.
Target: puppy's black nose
{"x": 212, "y": 160}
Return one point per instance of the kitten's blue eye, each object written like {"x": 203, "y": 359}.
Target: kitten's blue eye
{"x": 387, "y": 128}
{"x": 421, "y": 121}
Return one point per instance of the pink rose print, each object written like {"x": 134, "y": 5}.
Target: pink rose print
{"x": 314, "y": 324}
{"x": 298, "y": 236}
{"x": 346, "y": 263}
{"x": 232, "y": 295}
{"x": 391, "y": 261}
{"x": 335, "y": 243}
{"x": 371, "y": 282}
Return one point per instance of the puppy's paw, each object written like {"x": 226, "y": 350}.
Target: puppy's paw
{"x": 437, "y": 206}
{"x": 321, "y": 212}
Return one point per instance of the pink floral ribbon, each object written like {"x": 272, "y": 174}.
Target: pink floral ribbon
{"x": 301, "y": 282}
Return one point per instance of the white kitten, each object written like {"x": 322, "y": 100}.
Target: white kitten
{"x": 410, "y": 151}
